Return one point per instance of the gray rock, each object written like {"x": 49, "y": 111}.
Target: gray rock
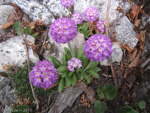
{"x": 125, "y": 33}
{"x": 5, "y": 10}
{"x": 65, "y": 99}
{"x": 57, "y": 50}
{"x": 7, "y": 93}
{"x": 7, "y": 109}
{"x": 116, "y": 55}
{"x": 46, "y": 10}
{"x": 81, "y": 5}
{"x": 14, "y": 51}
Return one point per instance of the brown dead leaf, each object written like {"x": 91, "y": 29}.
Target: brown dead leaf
{"x": 32, "y": 25}
{"x": 84, "y": 102}
{"x": 136, "y": 60}
{"x": 133, "y": 55}
{"x": 39, "y": 22}
{"x": 137, "y": 22}
{"x": 119, "y": 9}
{"x": 134, "y": 12}
{"x": 28, "y": 101}
{"x": 12, "y": 17}
{"x": 7, "y": 25}
{"x": 18, "y": 10}
{"x": 126, "y": 46}
{"x": 141, "y": 39}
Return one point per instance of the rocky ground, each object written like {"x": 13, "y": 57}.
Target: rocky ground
{"x": 129, "y": 22}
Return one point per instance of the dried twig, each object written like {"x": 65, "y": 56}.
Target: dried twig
{"x": 33, "y": 93}
{"x": 107, "y": 27}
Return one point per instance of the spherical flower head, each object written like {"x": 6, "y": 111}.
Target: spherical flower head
{"x": 63, "y": 30}
{"x": 101, "y": 25}
{"x": 43, "y": 74}
{"x": 74, "y": 63}
{"x": 67, "y": 3}
{"x": 77, "y": 18}
{"x": 91, "y": 14}
{"x": 98, "y": 48}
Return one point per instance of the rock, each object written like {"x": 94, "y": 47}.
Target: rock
{"x": 5, "y": 10}
{"x": 7, "y": 96}
{"x": 125, "y": 33}
{"x": 44, "y": 10}
{"x": 65, "y": 99}
{"x": 13, "y": 50}
{"x": 47, "y": 10}
{"x": 7, "y": 109}
{"x": 57, "y": 50}
{"x": 81, "y": 5}
{"x": 145, "y": 20}
{"x": 116, "y": 55}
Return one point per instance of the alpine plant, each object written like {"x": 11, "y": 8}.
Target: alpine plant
{"x": 91, "y": 14}
{"x": 74, "y": 63}
{"x": 77, "y": 18}
{"x": 98, "y": 48}
{"x": 43, "y": 74}
{"x": 67, "y": 3}
{"x": 63, "y": 30}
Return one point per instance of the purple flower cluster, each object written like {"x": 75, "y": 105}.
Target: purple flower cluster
{"x": 77, "y": 18}
{"x": 67, "y": 3}
{"x": 74, "y": 63}
{"x": 43, "y": 74}
{"x": 98, "y": 48}
{"x": 101, "y": 25}
{"x": 91, "y": 14}
{"x": 63, "y": 30}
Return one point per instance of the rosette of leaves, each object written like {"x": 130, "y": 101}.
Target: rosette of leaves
{"x": 84, "y": 29}
{"x": 68, "y": 78}
{"x": 107, "y": 91}
{"x": 127, "y": 109}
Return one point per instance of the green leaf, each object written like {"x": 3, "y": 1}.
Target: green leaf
{"x": 55, "y": 61}
{"x": 64, "y": 59}
{"x": 109, "y": 91}
{"x": 64, "y": 74}
{"x": 100, "y": 92}
{"x": 62, "y": 69}
{"x": 80, "y": 52}
{"x": 127, "y": 109}
{"x": 96, "y": 69}
{"x": 142, "y": 104}
{"x": 74, "y": 80}
{"x": 88, "y": 80}
{"x": 70, "y": 73}
{"x": 27, "y": 30}
{"x": 85, "y": 75}
{"x": 84, "y": 61}
{"x": 93, "y": 73}
{"x": 100, "y": 107}
{"x": 35, "y": 34}
{"x": 68, "y": 53}
{"x": 21, "y": 109}
{"x": 17, "y": 25}
{"x": 68, "y": 81}
{"x": 93, "y": 65}
{"x": 61, "y": 85}
{"x": 74, "y": 52}
{"x": 80, "y": 76}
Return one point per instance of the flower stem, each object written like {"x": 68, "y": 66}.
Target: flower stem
{"x": 88, "y": 66}
{"x": 69, "y": 9}
{"x": 71, "y": 50}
